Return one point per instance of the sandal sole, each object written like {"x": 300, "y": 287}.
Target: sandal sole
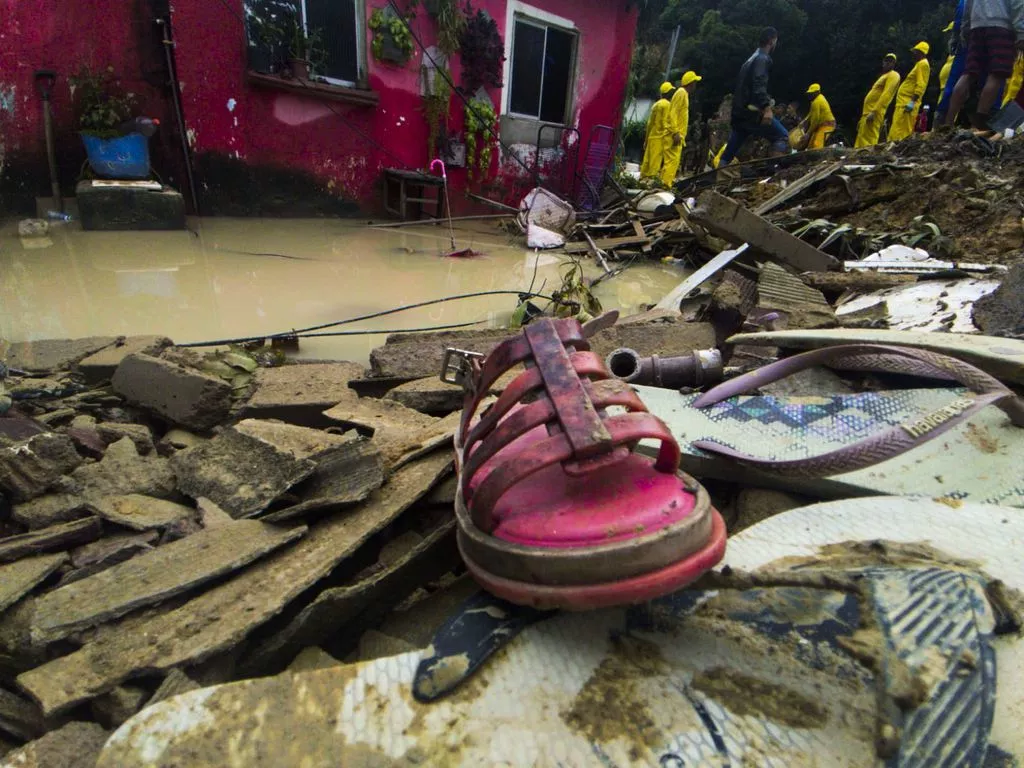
{"x": 635, "y": 589}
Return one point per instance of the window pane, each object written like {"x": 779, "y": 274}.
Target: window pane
{"x": 557, "y": 71}
{"x": 337, "y": 20}
{"x": 527, "y": 53}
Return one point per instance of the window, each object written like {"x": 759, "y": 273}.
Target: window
{"x": 541, "y": 70}
{"x": 340, "y": 23}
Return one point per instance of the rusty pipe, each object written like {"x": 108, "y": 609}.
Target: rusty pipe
{"x": 696, "y": 369}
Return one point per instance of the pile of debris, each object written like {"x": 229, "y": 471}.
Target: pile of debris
{"x": 170, "y": 520}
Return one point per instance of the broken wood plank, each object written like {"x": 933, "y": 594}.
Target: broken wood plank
{"x": 238, "y": 472}
{"x": 221, "y": 617}
{"x": 607, "y": 244}
{"x": 155, "y": 576}
{"x": 344, "y": 476}
{"x": 56, "y": 537}
{"x": 333, "y": 608}
{"x": 638, "y": 228}
{"x": 792, "y": 190}
{"x": 728, "y": 219}
{"x": 596, "y": 252}
{"x": 675, "y": 297}
{"x": 17, "y": 579}
{"x": 138, "y": 512}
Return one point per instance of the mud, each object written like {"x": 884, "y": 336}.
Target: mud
{"x": 745, "y": 695}
{"x": 226, "y": 279}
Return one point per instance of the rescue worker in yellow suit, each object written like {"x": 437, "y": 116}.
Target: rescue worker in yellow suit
{"x": 819, "y": 123}
{"x": 877, "y": 102}
{"x": 660, "y": 129}
{"x": 944, "y": 72}
{"x": 680, "y": 109}
{"x": 908, "y": 97}
{"x": 1013, "y": 85}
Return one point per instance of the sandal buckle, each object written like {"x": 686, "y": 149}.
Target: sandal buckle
{"x": 458, "y": 365}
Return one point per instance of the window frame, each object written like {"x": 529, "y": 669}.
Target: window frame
{"x": 361, "y": 68}
{"x": 515, "y": 12}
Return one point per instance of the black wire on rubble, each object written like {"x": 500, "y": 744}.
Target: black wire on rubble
{"x": 337, "y": 114}
{"x": 306, "y": 331}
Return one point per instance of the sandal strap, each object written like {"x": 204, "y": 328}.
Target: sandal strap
{"x": 884, "y": 445}
{"x": 623, "y": 430}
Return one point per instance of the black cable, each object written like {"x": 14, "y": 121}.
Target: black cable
{"x": 450, "y": 326}
{"x": 371, "y": 316}
{"x": 327, "y": 104}
{"x": 457, "y": 91}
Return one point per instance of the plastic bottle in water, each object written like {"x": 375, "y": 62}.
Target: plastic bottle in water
{"x": 58, "y": 216}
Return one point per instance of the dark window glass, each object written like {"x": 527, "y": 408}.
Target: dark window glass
{"x": 527, "y": 61}
{"x": 557, "y": 71}
{"x": 337, "y": 21}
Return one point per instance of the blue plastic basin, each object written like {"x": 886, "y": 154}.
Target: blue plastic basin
{"x": 126, "y": 157}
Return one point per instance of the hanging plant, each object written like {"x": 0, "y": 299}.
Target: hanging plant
{"x": 482, "y": 51}
{"x": 481, "y": 125}
{"x": 435, "y": 108}
{"x": 391, "y": 39}
{"x": 451, "y": 25}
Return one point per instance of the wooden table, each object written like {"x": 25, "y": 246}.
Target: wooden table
{"x": 411, "y": 188}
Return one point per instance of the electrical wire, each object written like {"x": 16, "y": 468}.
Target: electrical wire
{"x": 370, "y": 332}
{"x": 523, "y": 295}
{"x": 351, "y": 126}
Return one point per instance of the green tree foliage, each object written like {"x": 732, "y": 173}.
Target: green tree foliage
{"x": 838, "y": 43}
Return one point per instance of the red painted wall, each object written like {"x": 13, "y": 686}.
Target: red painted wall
{"x": 64, "y": 36}
{"x": 225, "y": 115}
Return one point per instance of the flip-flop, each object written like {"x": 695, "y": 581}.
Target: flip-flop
{"x": 554, "y": 508}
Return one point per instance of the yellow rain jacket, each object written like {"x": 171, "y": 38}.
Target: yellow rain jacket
{"x": 876, "y": 103}
{"x": 680, "y": 114}
{"x": 1014, "y": 83}
{"x": 659, "y": 136}
{"x": 944, "y": 74}
{"x": 911, "y": 92}
{"x": 820, "y": 122}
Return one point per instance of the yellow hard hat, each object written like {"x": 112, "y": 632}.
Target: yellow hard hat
{"x": 814, "y": 89}
{"x": 666, "y": 87}
{"x": 690, "y": 77}
{"x": 891, "y": 56}
{"x": 923, "y": 47}
{"x": 949, "y": 27}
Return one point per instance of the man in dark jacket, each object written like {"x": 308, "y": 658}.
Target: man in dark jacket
{"x": 752, "y": 113}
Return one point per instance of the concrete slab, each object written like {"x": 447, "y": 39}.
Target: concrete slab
{"x": 31, "y": 467}
{"x": 54, "y": 538}
{"x": 101, "y": 365}
{"x": 299, "y": 394}
{"x": 221, "y": 617}
{"x": 17, "y": 579}
{"x": 179, "y": 394}
{"x": 75, "y": 745}
{"x": 51, "y": 509}
{"x": 51, "y": 355}
{"x": 300, "y": 442}
{"x": 116, "y": 208}
{"x": 138, "y": 512}
{"x": 123, "y": 471}
{"x": 155, "y": 576}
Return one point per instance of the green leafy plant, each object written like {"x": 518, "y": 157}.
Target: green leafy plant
{"x": 481, "y": 126}
{"x": 451, "y": 25}
{"x": 435, "y": 108}
{"x": 387, "y": 27}
{"x": 101, "y": 102}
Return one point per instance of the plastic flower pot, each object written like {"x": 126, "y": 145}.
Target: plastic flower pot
{"x": 125, "y": 157}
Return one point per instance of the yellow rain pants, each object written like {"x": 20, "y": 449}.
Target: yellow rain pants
{"x": 820, "y": 122}
{"x": 659, "y": 136}
{"x": 680, "y": 113}
{"x": 911, "y": 92}
{"x": 876, "y": 103}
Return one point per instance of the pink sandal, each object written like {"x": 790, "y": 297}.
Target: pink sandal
{"x": 554, "y": 508}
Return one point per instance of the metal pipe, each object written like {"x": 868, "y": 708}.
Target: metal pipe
{"x": 172, "y": 73}
{"x": 697, "y": 369}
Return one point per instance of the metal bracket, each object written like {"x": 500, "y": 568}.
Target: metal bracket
{"x": 458, "y": 365}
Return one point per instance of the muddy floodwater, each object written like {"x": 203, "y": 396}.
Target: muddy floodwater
{"x": 229, "y": 278}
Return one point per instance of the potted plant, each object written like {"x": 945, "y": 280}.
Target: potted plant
{"x": 305, "y": 49}
{"x": 113, "y": 145}
{"x": 391, "y": 39}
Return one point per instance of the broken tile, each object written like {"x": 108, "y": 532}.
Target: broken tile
{"x": 241, "y": 474}
{"x": 312, "y": 658}
{"x": 210, "y": 515}
{"x": 117, "y": 706}
{"x": 19, "y": 717}
{"x": 299, "y": 394}
{"x": 123, "y": 471}
{"x": 51, "y": 509}
{"x": 87, "y": 441}
{"x": 100, "y": 366}
{"x": 17, "y": 579}
{"x": 174, "y": 684}
{"x": 155, "y": 576}
{"x": 51, "y": 355}
{"x": 428, "y": 395}
{"x": 181, "y": 395}
{"x": 29, "y": 468}
{"x": 75, "y": 745}
{"x": 781, "y": 291}
{"x": 108, "y": 551}
{"x": 344, "y": 476}
{"x": 333, "y": 608}
{"x": 56, "y": 537}
{"x": 138, "y": 512}
{"x": 378, "y": 416}
{"x": 111, "y": 432}
{"x": 222, "y": 616}
{"x": 300, "y": 442}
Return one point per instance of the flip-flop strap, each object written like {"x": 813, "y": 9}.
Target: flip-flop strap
{"x": 889, "y": 443}
{"x": 624, "y": 430}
